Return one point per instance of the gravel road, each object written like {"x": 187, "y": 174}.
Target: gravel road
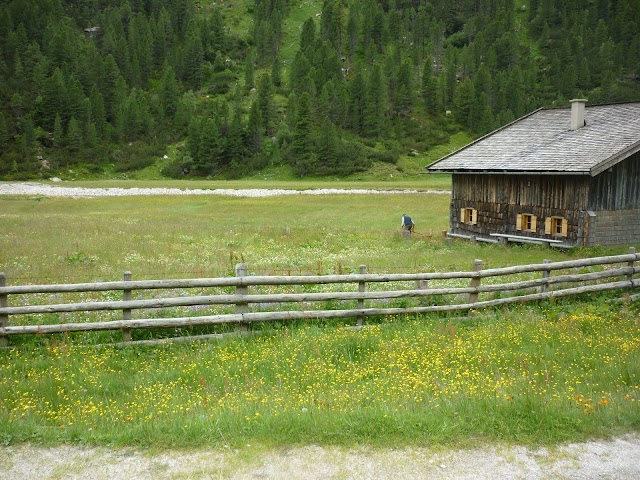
{"x": 617, "y": 458}
{"x": 47, "y": 190}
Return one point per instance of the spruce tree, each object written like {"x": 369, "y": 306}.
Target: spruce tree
{"x": 327, "y": 150}
{"x": 302, "y": 137}
{"x": 193, "y": 57}
{"x": 265, "y": 101}
{"x": 254, "y": 129}
{"x": 357, "y": 102}
{"x": 4, "y": 133}
{"x": 58, "y": 132}
{"x": 74, "y": 135}
{"x": 429, "y": 88}
{"x": 376, "y": 106}
{"x": 249, "y": 69}
{"x": 276, "y": 72}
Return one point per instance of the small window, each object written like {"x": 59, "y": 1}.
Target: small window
{"x": 556, "y": 226}
{"x": 468, "y": 216}
{"x": 526, "y": 222}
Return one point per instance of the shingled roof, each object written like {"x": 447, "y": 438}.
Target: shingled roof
{"x": 543, "y": 143}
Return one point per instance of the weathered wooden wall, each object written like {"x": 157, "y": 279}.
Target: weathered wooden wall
{"x": 498, "y": 200}
{"x": 617, "y": 189}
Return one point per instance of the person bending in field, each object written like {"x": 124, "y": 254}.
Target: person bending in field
{"x": 407, "y": 223}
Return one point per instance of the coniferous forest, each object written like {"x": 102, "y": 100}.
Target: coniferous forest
{"x": 317, "y": 87}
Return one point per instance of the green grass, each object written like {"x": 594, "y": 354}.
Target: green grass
{"x": 50, "y": 240}
{"x": 510, "y": 377}
{"x": 541, "y": 374}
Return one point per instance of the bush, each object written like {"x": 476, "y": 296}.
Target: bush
{"x": 135, "y": 156}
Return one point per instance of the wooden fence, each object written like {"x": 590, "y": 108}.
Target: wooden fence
{"x": 543, "y": 281}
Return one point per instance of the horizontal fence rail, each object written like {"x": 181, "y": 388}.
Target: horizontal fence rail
{"x": 616, "y": 272}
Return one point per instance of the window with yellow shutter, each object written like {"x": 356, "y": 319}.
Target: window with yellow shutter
{"x": 468, "y": 216}
{"x": 526, "y": 222}
{"x": 556, "y": 226}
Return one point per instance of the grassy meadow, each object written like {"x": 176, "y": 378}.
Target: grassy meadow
{"x": 546, "y": 373}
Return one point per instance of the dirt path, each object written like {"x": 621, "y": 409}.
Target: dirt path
{"x": 617, "y": 459}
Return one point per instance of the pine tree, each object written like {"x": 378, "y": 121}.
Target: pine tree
{"x": 211, "y": 148}
{"x": 91, "y": 135}
{"x": 300, "y": 68}
{"x": 185, "y": 112}
{"x": 193, "y": 57}
{"x": 98, "y": 115}
{"x": 193, "y": 139}
{"x": 254, "y": 129}
{"x": 332, "y": 23}
{"x": 74, "y": 135}
{"x": 54, "y": 100}
{"x": 58, "y": 132}
{"x": 162, "y": 37}
{"x": 376, "y": 106}
{"x": 327, "y": 150}
{"x": 265, "y": 101}
{"x": 404, "y": 93}
{"x": 169, "y": 92}
{"x": 234, "y": 144}
{"x": 249, "y": 69}
{"x": 302, "y": 137}
{"x": 109, "y": 87}
{"x": 276, "y": 72}
{"x": 429, "y": 88}
{"x": 4, "y": 133}
{"x": 357, "y": 102}
{"x": 308, "y": 37}
{"x": 464, "y": 103}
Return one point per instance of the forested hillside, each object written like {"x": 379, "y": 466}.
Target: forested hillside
{"x": 321, "y": 88}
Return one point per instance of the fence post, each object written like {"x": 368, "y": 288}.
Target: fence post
{"x": 242, "y": 307}
{"x": 4, "y": 317}
{"x": 475, "y": 282}
{"x": 362, "y": 287}
{"x": 545, "y": 274}
{"x": 631, "y": 263}
{"x": 126, "y": 312}
{"x": 632, "y": 251}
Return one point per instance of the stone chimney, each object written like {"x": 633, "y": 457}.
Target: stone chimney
{"x": 577, "y": 113}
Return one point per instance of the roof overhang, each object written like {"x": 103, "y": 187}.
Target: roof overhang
{"x": 615, "y": 159}
{"x": 510, "y": 172}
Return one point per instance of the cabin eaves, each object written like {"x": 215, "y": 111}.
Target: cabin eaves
{"x": 542, "y": 143}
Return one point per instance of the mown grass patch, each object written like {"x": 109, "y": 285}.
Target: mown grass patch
{"x": 57, "y": 240}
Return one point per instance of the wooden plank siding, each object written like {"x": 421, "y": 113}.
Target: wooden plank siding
{"x": 618, "y": 188}
{"x": 498, "y": 200}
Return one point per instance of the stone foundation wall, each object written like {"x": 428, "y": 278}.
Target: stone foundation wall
{"x": 614, "y": 227}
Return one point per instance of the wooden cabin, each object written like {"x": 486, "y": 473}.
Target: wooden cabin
{"x": 566, "y": 177}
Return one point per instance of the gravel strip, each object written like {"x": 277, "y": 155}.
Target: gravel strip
{"x": 601, "y": 459}
{"x": 41, "y": 189}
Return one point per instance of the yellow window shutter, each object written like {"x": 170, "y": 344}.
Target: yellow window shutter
{"x": 565, "y": 227}
{"x": 462, "y": 215}
{"x": 534, "y": 223}
{"x": 547, "y": 225}
{"x": 474, "y": 216}
{"x": 519, "y": 222}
